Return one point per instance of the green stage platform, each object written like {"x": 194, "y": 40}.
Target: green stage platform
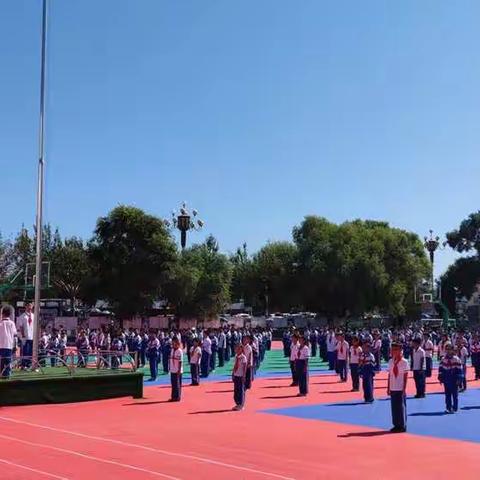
{"x": 29, "y": 388}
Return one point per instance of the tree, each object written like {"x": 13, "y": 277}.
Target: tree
{"x": 132, "y": 254}
{"x": 358, "y": 266}
{"x": 70, "y": 269}
{"x": 467, "y": 237}
{"x": 200, "y": 282}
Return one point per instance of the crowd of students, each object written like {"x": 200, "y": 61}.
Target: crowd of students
{"x": 361, "y": 353}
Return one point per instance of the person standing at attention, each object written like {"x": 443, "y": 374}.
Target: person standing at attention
{"x": 397, "y": 385}
{"x": 176, "y": 370}
{"x": 195, "y": 359}
{"x": 238, "y": 377}
{"x": 342, "y": 357}
{"x": 301, "y": 366}
{"x": 8, "y": 331}
{"x": 25, "y": 329}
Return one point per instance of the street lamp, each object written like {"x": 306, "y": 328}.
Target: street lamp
{"x": 184, "y": 221}
{"x": 431, "y": 244}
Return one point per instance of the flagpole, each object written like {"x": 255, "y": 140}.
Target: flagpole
{"x": 40, "y": 187}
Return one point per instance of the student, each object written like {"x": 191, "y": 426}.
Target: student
{"x": 377, "y": 351}
{"x": 117, "y": 346}
{"x": 238, "y": 377}
{"x": 53, "y": 348}
{"x": 342, "y": 357}
{"x": 428, "y": 347}
{"x": 397, "y": 385}
{"x": 367, "y": 372}
{"x": 166, "y": 349}
{"x": 248, "y": 352}
{"x": 301, "y": 366}
{"x": 8, "y": 331}
{"x": 418, "y": 367}
{"x": 331, "y": 349}
{"x": 83, "y": 349}
{"x": 152, "y": 353}
{"x": 450, "y": 375}
{"x": 206, "y": 353}
{"x": 293, "y": 358}
{"x": 463, "y": 355}
{"x": 222, "y": 343}
{"x": 176, "y": 370}
{"x": 475, "y": 354}
{"x": 195, "y": 359}
{"x": 355, "y": 353}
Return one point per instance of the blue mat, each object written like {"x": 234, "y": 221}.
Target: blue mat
{"x": 425, "y": 416}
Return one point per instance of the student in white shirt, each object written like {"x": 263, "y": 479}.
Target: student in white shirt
{"x": 342, "y": 357}
{"x": 397, "y": 385}
{"x": 176, "y": 370}
{"x": 418, "y": 367}
{"x": 238, "y": 377}
{"x": 463, "y": 355}
{"x": 293, "y": 359}
{"x": 8, "y": 331}
{"x": 355, "y": 353}
{"x": 206, "y": 354}
{"x": 428, "y": 347}
{"x": 195, "y": 359}
{"x": 25, "y": 330}
{"x": 248, "y": 352}
{"x": 301, "y": 366}
{"x": 331, "y": 349}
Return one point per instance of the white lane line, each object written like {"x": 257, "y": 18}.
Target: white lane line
{"x": 51, "y": 475}
{"x": 151, "y": 449}
{"x": 89, "y": 457}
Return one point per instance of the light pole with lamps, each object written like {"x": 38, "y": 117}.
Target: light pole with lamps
{"x": 184, "y": 222}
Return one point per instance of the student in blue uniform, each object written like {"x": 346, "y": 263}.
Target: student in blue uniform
{"x": 152, "y": 353}
{"x": 286, "y": 340}
{"x": 301, "y": 366}
{"x": 144, "y": 347}
{"x": 354, "y": 360}
{"x": 206, "y": 353}
{"x": 117, "y": 346}
{"x": 166, "y": 351}
{"x": 450, "y": 376}
{"x": 397, "y": 386}
{"x": 53, "y": 348}
{"x": 313, "y": 342}
{"x": 293, "y": 360}
{"x": 367, "y": 372}
{"x": 239, "y": 373}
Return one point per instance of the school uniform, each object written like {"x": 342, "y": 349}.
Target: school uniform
{"x": 331, "y": 351}
{"x": 398, "y": 399}
{"x": 195, "y": 357}
{"x": 166, "y": 352}
{"x": 248, "y": 352}
{"x": 83, "y": 349}
{"x": 53, "y": 349}
{"x": 428, "y": 347}
{"x": 117, "y": 346}
{"x": 463, "y": 355}
{"x": 25, "y": 328}
{"x": 206, "y": 353}
{"x": 377, "y": 352}
{"x": 355, "y": 353}
{"x": 222, "y": 343}
{"x": 293, "y": 358}
{"x": 176, "y": 371}
{"x": 301, "y": 368}
{"x": 418, "y": 367}
{"x": 8, "y": 331}
{"x": 287, "y": 343}
{"x": 342, "y": 356}
{"x": 152, "y": 353}
{"x": 450, "y": 375}
{"x": 238, "y": 377}
{"x": 441, "y": 349}
{"x": 313, "y": 342}
{"x": 367, "y": 372}
{"x": 475, "y": 354}
{"x": 228, "y": 341}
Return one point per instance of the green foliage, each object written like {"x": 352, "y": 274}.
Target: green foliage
{"x": 467, "y": 237}
{"x": 199, "y": 285}
{"x": 132, "y": 254}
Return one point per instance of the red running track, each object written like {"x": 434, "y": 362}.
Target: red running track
{"x": 201, "y": 438}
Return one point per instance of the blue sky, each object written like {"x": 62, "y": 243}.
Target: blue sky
{"x": 256, "y": 112}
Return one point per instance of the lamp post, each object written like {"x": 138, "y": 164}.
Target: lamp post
{"x": 431, "y": 244}
{"x": 40, "y": 186}
{"x": 184, "y": 222}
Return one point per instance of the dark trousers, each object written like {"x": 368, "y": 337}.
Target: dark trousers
{"x": 205, "y": 364}
{"x": 355, "y": 376}
{"x": 451, "y": 396}
{"x": 464, "y": 377}
{"x": 195, "y": 373}
{"x": 269, "y": 345}
{"x": 332, "y": 358}
{"x": 227, "y": 354}
{"x": 378, "y": 361}
{"x": 176, "y": 381}
{"x": 314, "y": 349}
{"x": 294, "y": 373}
{"x": 27, "y": 351}
{"x": 301, "y": 367}
{"x": 398, "y": 401}
{"x": 165, "y": 362}
{"x": 367, "y": 384}
{"x": 476, "y": 364}
{"x": 419, "y": 377}
{"x": 248, "y": 378}
{"x": 342, "y": 369}
{"x": 221, "y": 357}
{"x": 428, "y": 367}
{"x": 153, "y": 361}
{"x": 213, "y": 360}
{"x": 239, "y": 391}
{"x": 5, "y": 362}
